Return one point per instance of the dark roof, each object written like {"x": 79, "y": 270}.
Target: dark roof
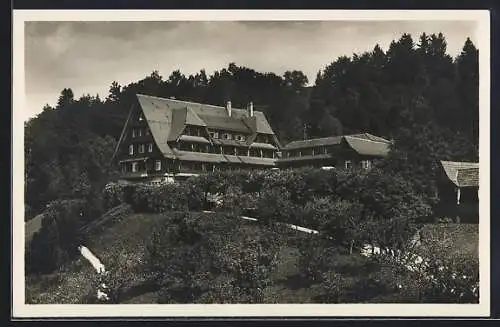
{"x": 462, "y": 174}
{"x": 364, "y": 144}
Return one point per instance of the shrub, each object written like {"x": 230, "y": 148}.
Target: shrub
{"x": 275, "y": 205}
{"x": 316, "y": 257}
{"x": 57, "y": 240}
{"x": 207, "y": 258}
{"x": 113, "y": 195}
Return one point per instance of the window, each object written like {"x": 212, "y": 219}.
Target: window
{"x": 134, "y": 167}
{"x": 141, "y": 148}
{"x": 366, "y": 164}
{"x": 140, "y": 132}
{"x": 348, "y": 164}
{"x": 131, "y": 149}
{"x": 325, "y": 150}
{"x": 140, "y": 117}
{"x": 124, "y": 168}
{"x": 150, "y": 147}
{"x": 147, "y": 131}
{"x": 214, "y": 135}
{"x": 133, "y": 133}
{"x": 158, "y": 165}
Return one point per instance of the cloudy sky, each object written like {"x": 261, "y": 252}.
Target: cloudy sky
{"x": 88, "y": 56}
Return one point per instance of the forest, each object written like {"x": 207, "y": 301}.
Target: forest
{"x": 414, "y": 93}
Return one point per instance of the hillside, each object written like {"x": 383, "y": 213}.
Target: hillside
{"x": 123, "y": 243}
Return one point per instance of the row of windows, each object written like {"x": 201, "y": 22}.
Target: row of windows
{"x": 365, "y": 164}
{"x": 140, "y": 148}
{"x": 135, "y": 167}
{"x": 306, "y": 152}
{"x": 197, "y": 131}
{"x": 227, "y": 136}
{"x": 139, "y": 132}
{"x": 227, "y": 150}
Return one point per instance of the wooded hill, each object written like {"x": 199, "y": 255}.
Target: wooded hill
{"x": 415, "y": 93}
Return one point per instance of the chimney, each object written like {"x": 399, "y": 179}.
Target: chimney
{"x": 250, "y": 109}
{"x": 228, "y": 108}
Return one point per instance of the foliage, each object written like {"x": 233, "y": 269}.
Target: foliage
{"x": 57, "y": 240}
{"x": 207, "y": 258}
{"x": 414, "y": 93}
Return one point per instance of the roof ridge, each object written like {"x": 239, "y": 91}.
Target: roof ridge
{"x": 190, "y": 102}
{"x": 360, "y": 138}
{"x": 316, "y": 138}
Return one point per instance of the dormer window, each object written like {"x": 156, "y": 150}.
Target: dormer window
{"x": 150, "y": 147}
{"x": 131, "y": 149}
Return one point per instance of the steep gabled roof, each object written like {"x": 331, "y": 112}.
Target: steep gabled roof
{"x": 462, "y": 174}
{"x": 159, "y": 116}
{"x": 171, "y": 116}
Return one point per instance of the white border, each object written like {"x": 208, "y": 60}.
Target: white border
{"x": 22, "y": 310}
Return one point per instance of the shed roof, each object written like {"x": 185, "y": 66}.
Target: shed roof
{"x": 462, "y": 174}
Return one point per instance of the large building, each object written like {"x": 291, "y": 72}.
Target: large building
{"x": 167, "y": 138}
{"x": 342, "y": 152}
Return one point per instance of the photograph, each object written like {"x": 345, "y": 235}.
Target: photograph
{"x": 210, "y": 162}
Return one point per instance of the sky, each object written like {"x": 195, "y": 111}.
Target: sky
{"x": 88, "y": 56}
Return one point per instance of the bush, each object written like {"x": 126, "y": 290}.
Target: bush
{"x": 113, "y": 195}
{"x": 57, "y": 240}
{"x": 209, "y": 259}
